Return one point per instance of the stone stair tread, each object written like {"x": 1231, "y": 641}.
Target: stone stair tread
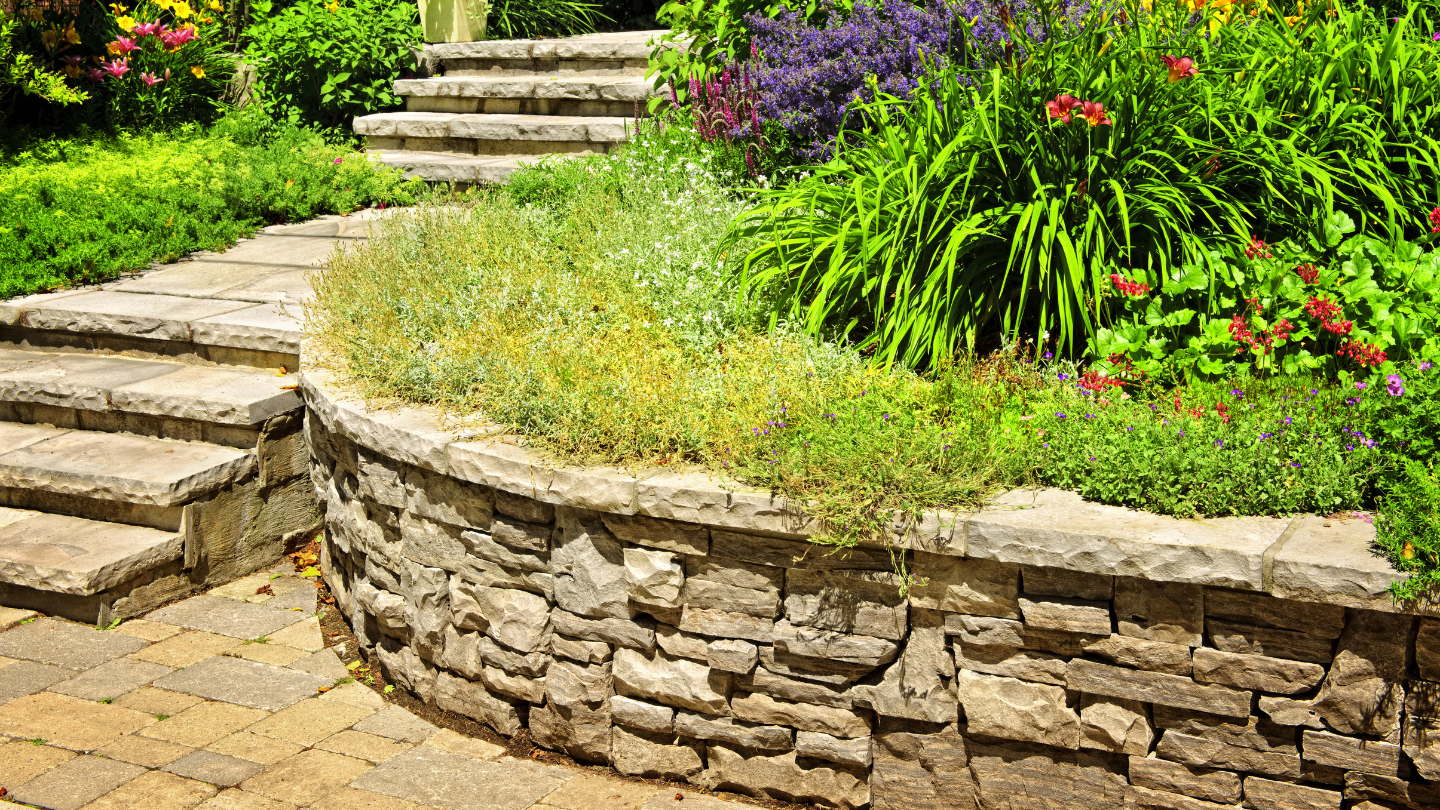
{"x": 77, "y": 556}
{"x": 220, "y": 395}
{"x": 116, "y": 466}
{"x": 518, "y": 86}
{"x": 495, "y": 126}
{"x": 598, "y": 47}
{"x": 233, "y": 324}
{"x": 448, "y": 167}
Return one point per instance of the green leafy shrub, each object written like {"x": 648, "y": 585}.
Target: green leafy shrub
{"x": 323, "y": 62}
{"x": 86, "y": 209}
{"x": 19, "y": 73}
{"x": 1408, "y": 530}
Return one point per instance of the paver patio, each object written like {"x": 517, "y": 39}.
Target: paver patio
{"x": 182, "y": 709}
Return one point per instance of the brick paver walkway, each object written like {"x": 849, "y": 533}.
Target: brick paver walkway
{"x": 232, "y": 701}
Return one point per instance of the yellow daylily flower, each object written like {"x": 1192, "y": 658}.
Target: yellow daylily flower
{"x": 126, "y": 23}
{"x": 333, "y": 7}
{"x": 183, "y": 10}
{"x": 70, "y": 35}
{"x": 164, "y": 3}
{"x": 118, "y": 9}
{"x": 215, "y": 5}
{"x": 198, "y": 71}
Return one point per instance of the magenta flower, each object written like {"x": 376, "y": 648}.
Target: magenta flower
{"x": 1394, "y": 386}
{"x": 1094, "y": 113}
{"x": 149, "y": 29}
{"x": 150, "y": 81}
{"x": 337, "y": 161}
{"x": 1180, "y": 67}
{"x": 1061, "y": 107}
{"x": 96, "y": 75}
{"x": 117, "y": 68}
{"x": 175, "y": 39}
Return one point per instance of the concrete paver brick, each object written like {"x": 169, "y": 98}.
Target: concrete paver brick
{"x": 248, "y": 683}
{"x": 305, "y": 600}
{"x": 21, "y": 761}
{"x": 216, "y": 769}
{"x": 187, "y": 649}
{"x": 150, "y": 631}
{"x": 452, "y": 782}
{"x": 23, "y": 678}
{"x": 111, "y": 679}
{"x": 63, "y": 644}
{"x": 244, "y": 589}
{"x": 360, "y": 745}
{"x": 75, "y": 783}
{"x": 307, "y": 777}
{"x": 593, "y": 792}
{"x": 154, "y": 701}
{"x": 138, "y": 750}
{"x": 397, "y": 724}
{"x": 237, "y": 799}
{"x": 352, "y": 799}
{"x": 356, "y": 693}
{"x": 226, "y": 617}
{"x": 9, "y": 617}
{"x": 325, "y": 663}
{"x": 203, "y": 724}
{"x": 447, "y": 740}
{"x": 155, "y": 790}
{"x": 255, "y": 748}
{"x": 310, "y": 721}
{"x": 69, "y": 722}
{"x": 276, "y": 654}
{"x": 688, "y": 801}
{"x": 303, "y": 635}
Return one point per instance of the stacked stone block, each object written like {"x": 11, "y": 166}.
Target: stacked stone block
{"x": 759, "y": 664}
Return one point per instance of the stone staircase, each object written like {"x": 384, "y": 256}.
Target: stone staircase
{"x": 495, "y": 104}
{"x": 151, "y": 438}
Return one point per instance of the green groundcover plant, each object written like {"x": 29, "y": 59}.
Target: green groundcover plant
{"x": 86, "y": 209}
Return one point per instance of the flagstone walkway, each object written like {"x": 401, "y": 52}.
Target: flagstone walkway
{"x": 233, "y": 701}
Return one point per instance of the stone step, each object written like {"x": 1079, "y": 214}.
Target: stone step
{"x": 68, "y": 555}
{"x": 625, "y": 46}
{"x": 117, "y": 477}
{"x": 106, "y": 393}
{"x": 447, "y": 167}
{"x": 533, "y": 94}
{"x": 503, "y": 128}
{"x": 228, "y": 332}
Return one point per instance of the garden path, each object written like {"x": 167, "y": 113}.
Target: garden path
{"x": 234, "y": 700}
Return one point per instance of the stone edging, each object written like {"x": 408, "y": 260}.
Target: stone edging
{"x": 1307, "y": 558}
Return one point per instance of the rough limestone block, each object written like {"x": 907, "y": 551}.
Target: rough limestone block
{"x": 522, "y": 536}
{"x": 985, "y": 631}
{"x": 653, "y": 577}
{"x": 855, "y": 753}
{"x": 521, "y": 508}
{"x": 461, "y": 652}
{"x": 794, "y": 689}
{"x": 1250, "y": 640}
{"x": 679, "y": 644}
{"x": 957, "y": 585}
{"x": 1137, "y": 653}
{"x": 727, "y": 730}
{"x": 1203, "y": 753}
{"x": 1111, "y": 724}
{"x": 1259, "y": 610}
{"x": 585, "y": 652}
{"x": 1067, "y": 615}
{"x": 529, "y": 665}
{"x": 380, "y": 481}
{"x": 920, "y": 771}
{"x": 448, "y": 500}
{"x": 589, "y": 568}
{"x": 474, "y": 701}
{"x": 569, "y": 685}
{"x": 1026, "y": 665}
{"x": 427, "y": 607}
{"x": 1333, "y": 561}
{"x": 919, "y": 686}
{"x": 1388, "y": 792}
{"x": 732, "y": 655}
{"x": 387, "y": 608}
{"x": 817, "y": 670}
{"x": 1249, "y": 732}
{"x": 669, "y": 535}
{"x": 1258, "y": 672}
{"x": 1421, "y": 741}
{"x": 1289, "y": 712}
{"x": 530, "y": 690}
{"x": 1171, "y": 612}
{"x": 1221, "y": 787}
{"x": 1045, "y": 777}
{"x": 1155, "y": 687}
{"x": 482, "y": 545}
{"x": 637, "y": 633}
{"x": 726, "y": 624}
{"x": 700, "y": 593}
{"x": 782, "y": 778}
{"x": 432, "y": 543}
{"x": 734, "y": 572}
{"x": 517, "y": 619}
{"x": 637, "y": 714}
{"x": 1362, "y": 693}
{"x": 672, "y": 681}
{"x": 637, "y": 755}
{"x": 867, "y": 603}
{"x": 780, "y": 553}
{"x": 583, "y": 733}
{"x": 1367, "y": 756}
{"x": 1427, "y": 649}
{"x": 1063, "y": 582}
{"x": 1267, "y": 794}
{"x": 765, "y": 710}
{"x": 1015, "y": 710}
{"x": 404, "y": 668}
{"x": 813, "y": 642}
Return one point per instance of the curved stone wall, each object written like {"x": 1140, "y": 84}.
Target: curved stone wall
{"x": 1059, "y": 654}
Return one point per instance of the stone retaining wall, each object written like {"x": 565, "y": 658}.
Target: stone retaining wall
{"x": 1057, "y": 655}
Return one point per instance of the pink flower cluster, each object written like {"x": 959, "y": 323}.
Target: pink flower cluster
{"x": 1134, "y": 289}
{"x": 1063, "y": 106}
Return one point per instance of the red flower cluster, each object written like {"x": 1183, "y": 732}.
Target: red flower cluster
{"x": 1091, "y": 112}
{"x": 1134, "y": 289}
{"x": 1257, "y": 249}
{"x": 1329, "y": 314}
{"x": 1264, "y": 341}
{"x": 1224, "y": 411}
{"x": 1364, "y": 354}
{"x": 1435, "y": 221}
{"x": 1097, "y": 382}
{"x": 1309, "y": 272}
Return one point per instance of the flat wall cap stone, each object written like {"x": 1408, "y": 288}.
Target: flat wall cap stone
{"x": 1300, "y": 559}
